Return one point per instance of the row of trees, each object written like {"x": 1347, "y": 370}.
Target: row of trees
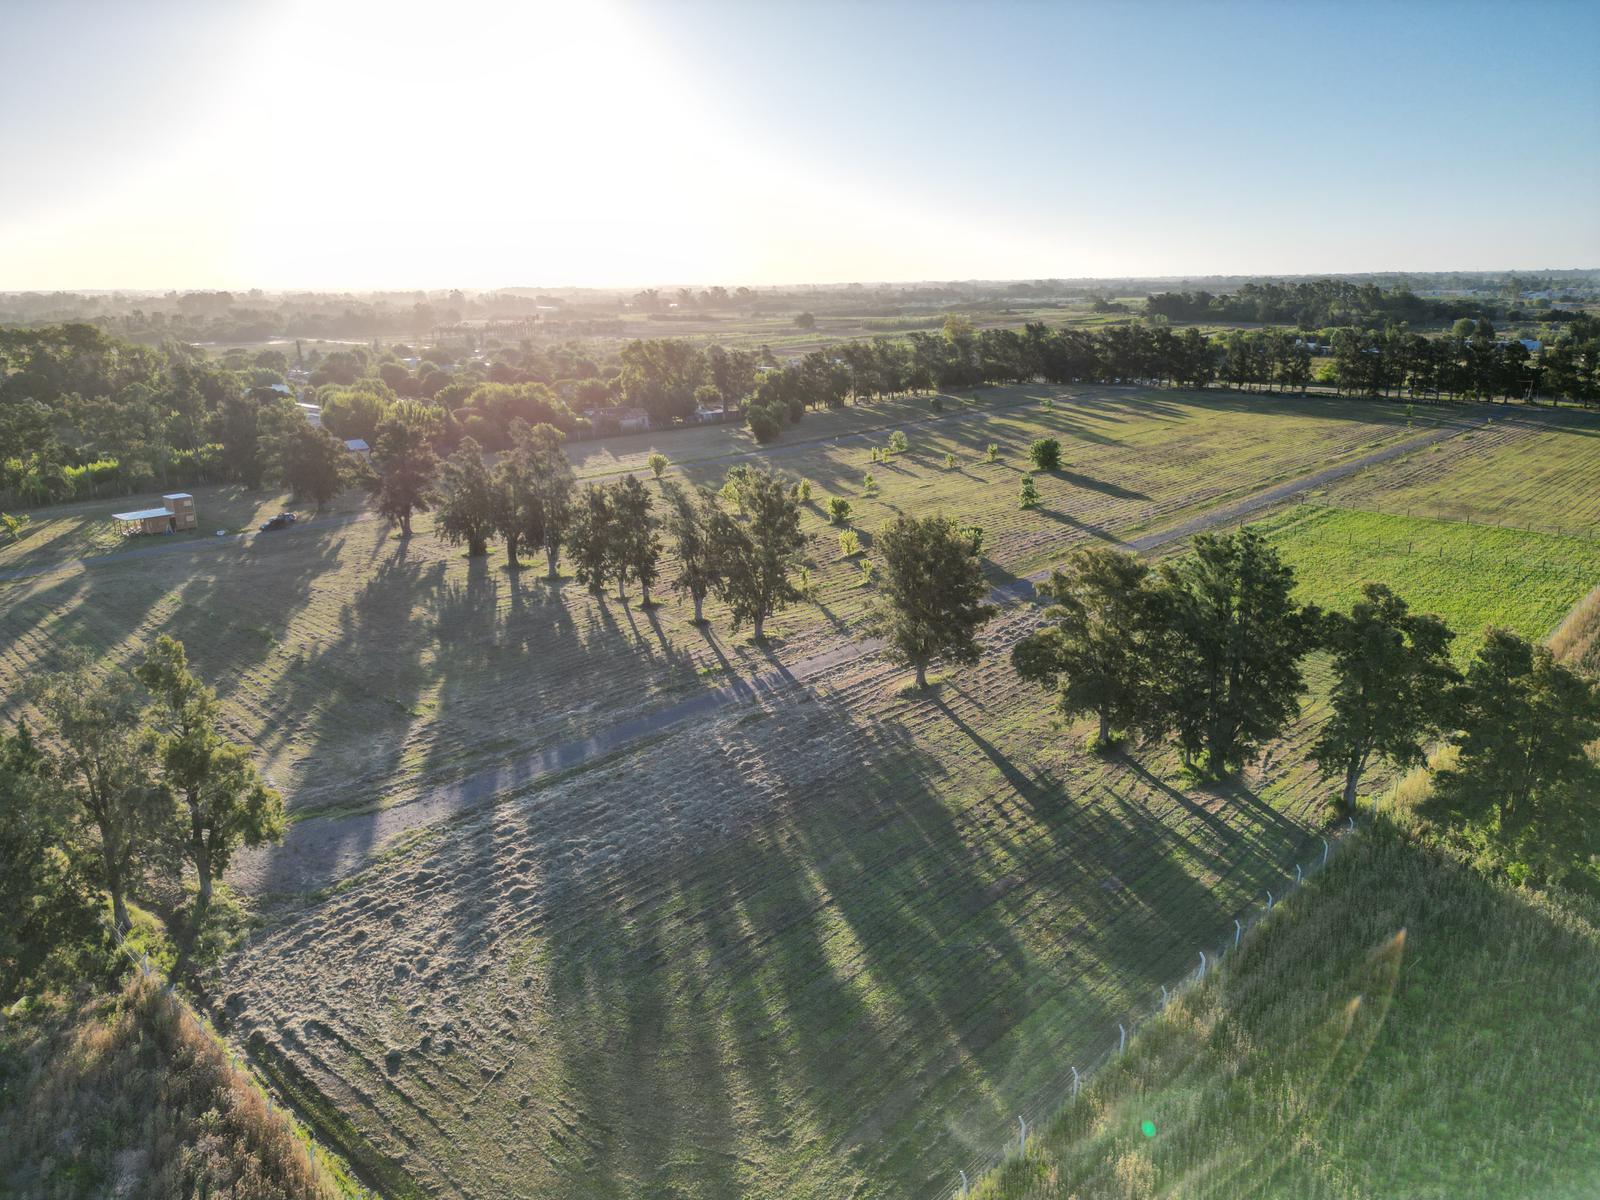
{"x": 132, "y": 781}
{"x": 1209, "y": 650}
{"x": 1470, "y": 362}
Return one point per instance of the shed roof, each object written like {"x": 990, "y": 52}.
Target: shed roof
{"x": 356, "y": 445}
{"x": 143, "y": 514}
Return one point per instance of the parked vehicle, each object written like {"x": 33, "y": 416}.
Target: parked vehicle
{"x": 281, "y": 521}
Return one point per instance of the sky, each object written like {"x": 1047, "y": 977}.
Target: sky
{"x": 281, "y": 144}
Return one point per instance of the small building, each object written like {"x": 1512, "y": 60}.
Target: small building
{"x": 174, "y": 516}
{"x": 358, "y": 447}
{"x": 623, "y": 418}
{"x": 313, "y": 413}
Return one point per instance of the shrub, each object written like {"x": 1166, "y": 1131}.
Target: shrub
{"x": 866, "y": 573}
{"x": 937, "y": 404}
{"x": 1029, "y": 497}
{"x": 764, "y": 424}
{"x": 949, "y": 462}
{"x": 849, "y": 544}
{"x": 869, "y": 485}
{"x": 658, "y": 464}
{"x": 802, "y": 491}
{"x": 992, "y": 454}
{"x": 898, "y": 443}
{"x": 839, "y": 510}
{"x": 1045, "y": 454}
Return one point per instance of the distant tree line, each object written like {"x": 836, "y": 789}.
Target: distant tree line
{"x": 1208, "y": 650}
{"x": 1327, "y": 303}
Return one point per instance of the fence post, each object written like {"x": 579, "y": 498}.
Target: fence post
{"x": 1269, "y": 899}
{"x": 1022, "y": 1135}
{"x": 1122, "y": 1037}
{"x": 1324, "y": 851}
{"x": 1297, "y": 873}
{"x": 1163, "y": 995}
{"x": 1238, "y": 931}
{"x": 964, "y": 1184}
{"x": 1202, "y": 964}
{"x": 1074, "y": 1081}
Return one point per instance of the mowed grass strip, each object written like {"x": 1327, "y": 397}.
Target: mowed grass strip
{"x": 1402, "y": 1027}
{"x": 1472, "y": 575}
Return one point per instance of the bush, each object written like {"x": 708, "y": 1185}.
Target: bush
{"x": 1045, "y": 454}
{"x": 849, "y": 544}
{"x": 949, "y": 462}
{"x": 1029, "y": 497}
{"x": 658, "y": 464}
{"x": 802, "y": 491}
{"x": 765, "y": 425}
{"x": 839, "y": 510}
{"x": 937, "y": 404}
{"x": 992, "y": 454}
{"x": 869, "y": 485}
{"x": 898, "y": 443}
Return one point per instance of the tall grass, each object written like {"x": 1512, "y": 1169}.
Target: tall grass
{"x": 126, "y": 1096}
{"x": 1577, "y": 641}
{"x": 1402, "y": 1027}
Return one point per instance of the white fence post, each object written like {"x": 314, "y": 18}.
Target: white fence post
{"x": 1202, "y": 964}
{"x": 1324, "y": 851}
{"x": 1238, "y": 932}
{"x": 1122, "y": 1037}
{"x": 1074, "y": 1081}
{"x": 1022, "y": 1135}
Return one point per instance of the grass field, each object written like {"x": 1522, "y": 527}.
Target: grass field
{"x": 1523, "y": 471}
{"x": 365, "y": 669}
{"x": 1472, "y": 575}
{"x": 1401, "y": 1027}
{"x": 829, "y": 941}
{"x": 809, "y": 949}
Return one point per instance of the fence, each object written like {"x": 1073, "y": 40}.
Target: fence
{"x": 1071, "y": 1080}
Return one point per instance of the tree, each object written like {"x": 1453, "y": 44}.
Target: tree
{"x": 1045, "y": 454}
{"x": 48, "y": 905}
{"x": 102, "y": 761}
{"x": 659, "y": 463}
{"x": 224, "y": 803}
{"x": 1525, "y": 723}
{"x": 1232, "y": 645}
{"x": 635, "y": 549}
{"x": 313, "y": 463}
{"x": 404, "y": 464}
{"x": 468, "y": 504}
{"x": 692, "y": 521}
{"x": 758, "y": 555}
{"x": 590, "y": 535}
{"x": 1392, "y": 690}
{"x": 1096, "y": 651}
{"x": 838, "y": 510}
{"x": 1028, "y": 497}
{"x": 934, "y": 593}
{"x": 551, "y": 474}
{"x": 805, "y": 320}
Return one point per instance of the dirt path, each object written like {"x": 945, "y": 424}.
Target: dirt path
{"x": 319, "y": 851}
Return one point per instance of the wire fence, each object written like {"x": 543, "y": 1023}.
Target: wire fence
{"x": 1071, "y": 1080}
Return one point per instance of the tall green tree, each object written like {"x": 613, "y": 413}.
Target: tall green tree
{"x": 468, "y": 504}
{"x": 1525, "y": 723}
{"x": 404, "y": 464}
{"x": 691, "y": 521}
{"x": 553, "y": 485}
{"x": 1393, "y": 688}
{"x": 635, "y": 548}
{"x": 591, "y": 537}
{"x": 934, "y": 593}
{"x": 103, "y": 761}
{"x": 1232, "y": 641}
{"x": 223, "y": 801}
{"x": 47, "y": 908}
{"x": 313, "y": 463}
{"x": 760, "y": 552}
{"x": 1096, "y": 651}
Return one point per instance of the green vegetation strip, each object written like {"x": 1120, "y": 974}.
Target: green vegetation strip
{"x": 1472, "y": 575}
{"x": 1402, "y": 1027}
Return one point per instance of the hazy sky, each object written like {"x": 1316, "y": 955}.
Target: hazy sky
{"x": 343, "y": 145}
